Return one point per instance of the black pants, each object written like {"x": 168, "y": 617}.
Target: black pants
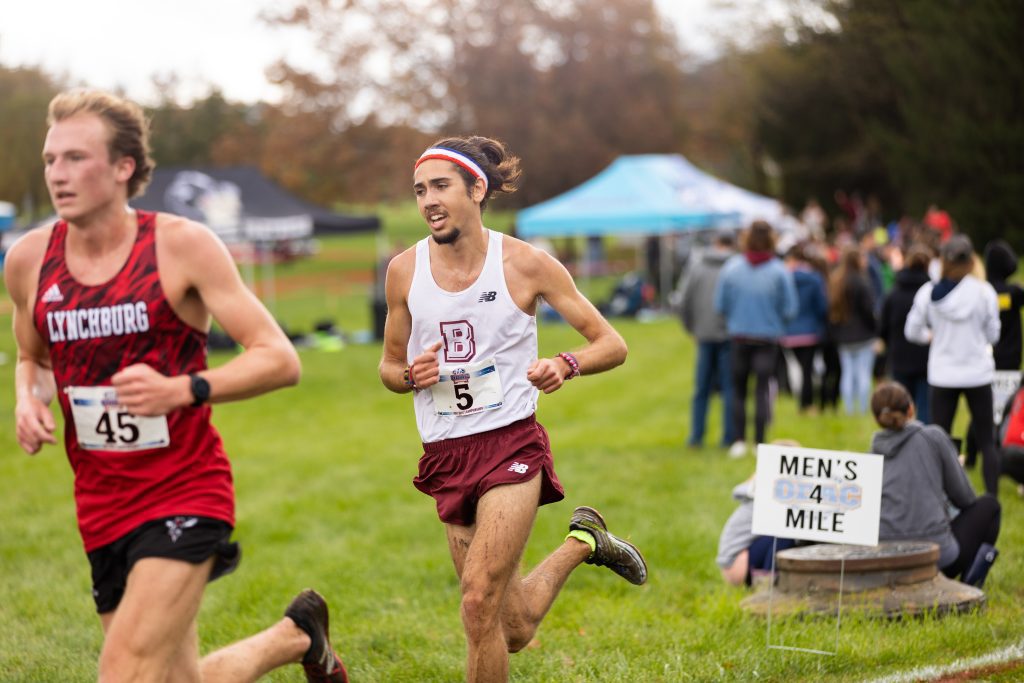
{"x": 830, "y": 380}
{"x": 757, "y": 358}
{"x": 979, "y": 403}
{"x": 976, "y": 524}
{"x": 1012, "y": 462}
{"x": 805, "y": 358}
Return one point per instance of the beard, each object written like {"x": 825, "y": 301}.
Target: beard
{"x": 447, "y": 237}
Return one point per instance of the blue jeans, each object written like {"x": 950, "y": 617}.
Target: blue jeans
{"x": 712, "y": 373}
{"x": 917, "y": 385}
{"x": 857, "y": 361}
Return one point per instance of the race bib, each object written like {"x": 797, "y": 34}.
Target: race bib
{"x": 468, "y": 389}
{"x": 103, "y": 425}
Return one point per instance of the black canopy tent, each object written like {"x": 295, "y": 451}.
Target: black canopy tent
{"x": 241, "y": 204}
{"x": 259, "y": 220}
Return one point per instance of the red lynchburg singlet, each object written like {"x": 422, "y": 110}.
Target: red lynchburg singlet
{"x": 95, "y": 331}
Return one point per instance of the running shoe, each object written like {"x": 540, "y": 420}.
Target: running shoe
{"x": 309, "y": 612}
{"x": 621, "y": 556}
{"x": 738, "y": 449}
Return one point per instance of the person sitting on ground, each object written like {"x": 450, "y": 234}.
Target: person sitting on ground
{"x": 742, "y": 555}
{"x": 921, "y": 478}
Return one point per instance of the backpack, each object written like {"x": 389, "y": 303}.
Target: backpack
{"x": 1011, "y": 429}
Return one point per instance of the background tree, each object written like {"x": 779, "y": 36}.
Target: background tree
{"x": 916, "y": 101}
{"x": 24, "y": 96}
{"x": 569, "y": 85}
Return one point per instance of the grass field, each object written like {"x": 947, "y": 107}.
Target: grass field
{"x": 325, "y": 500}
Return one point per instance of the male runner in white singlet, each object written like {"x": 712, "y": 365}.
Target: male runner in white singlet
{"x": 461, "y": 333}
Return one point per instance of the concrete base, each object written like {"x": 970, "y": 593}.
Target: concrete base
{"x": 888, "y": 580}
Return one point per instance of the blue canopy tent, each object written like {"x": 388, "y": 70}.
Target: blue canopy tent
{"x": 649, "y": 195}
{"x": 646, "y": 195}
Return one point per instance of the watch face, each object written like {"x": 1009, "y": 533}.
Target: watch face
{"x": 200, "y": 390}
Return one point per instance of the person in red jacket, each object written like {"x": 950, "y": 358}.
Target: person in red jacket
{"x": 112, "y": 308}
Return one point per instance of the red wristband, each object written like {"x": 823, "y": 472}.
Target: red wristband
{"x": 574, "y": 365}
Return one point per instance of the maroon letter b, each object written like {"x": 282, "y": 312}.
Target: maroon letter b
{"x": 459, "y": 345}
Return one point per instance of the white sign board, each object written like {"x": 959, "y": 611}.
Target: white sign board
{"x": 817, "y": 495}
{"x": 1004, "y": 385}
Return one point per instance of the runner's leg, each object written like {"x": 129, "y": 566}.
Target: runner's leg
{"x": 146, "y": 632}
{"x": 487, "y": 559}
{"x": 247, "y": 660}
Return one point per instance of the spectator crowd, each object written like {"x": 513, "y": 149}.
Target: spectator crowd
{"x": 826, "y": 315}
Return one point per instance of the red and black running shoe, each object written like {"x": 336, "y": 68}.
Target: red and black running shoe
{"x": 322, "y": 664}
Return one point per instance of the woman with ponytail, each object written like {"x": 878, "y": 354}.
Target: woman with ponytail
{"x": 922, "y": 477}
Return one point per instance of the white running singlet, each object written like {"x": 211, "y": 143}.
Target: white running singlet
{"x": 488, "y": 343}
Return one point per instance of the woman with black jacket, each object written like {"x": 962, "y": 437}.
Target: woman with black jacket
{"x": 908, "y": 362}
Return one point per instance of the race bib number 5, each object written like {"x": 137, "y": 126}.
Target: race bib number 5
{"x": 102, "y": 425}
{"x": 468, "y": 389}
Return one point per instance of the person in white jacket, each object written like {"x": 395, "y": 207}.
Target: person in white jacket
{"x": 959, "y": 317}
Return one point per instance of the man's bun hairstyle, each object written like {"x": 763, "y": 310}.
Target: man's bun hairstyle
{"x": 492, "y": 156}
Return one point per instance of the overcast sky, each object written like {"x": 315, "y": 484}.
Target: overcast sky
{"x": 110, "y": 43}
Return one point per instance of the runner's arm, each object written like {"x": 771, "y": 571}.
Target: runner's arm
{"x": 33, "y": 377}
{"x": 397, "y": 328}
{"x": 605, "y": 347}
{"x": 268, "y": 361}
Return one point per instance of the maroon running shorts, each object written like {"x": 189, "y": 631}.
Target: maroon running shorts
{"x": 458, "y": 472}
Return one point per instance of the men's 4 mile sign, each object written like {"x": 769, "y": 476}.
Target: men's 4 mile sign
{"x": 817, "y": 495}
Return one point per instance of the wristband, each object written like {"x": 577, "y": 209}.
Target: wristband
{"x": 407, "y": 378}
{"x": 574, "y": 365}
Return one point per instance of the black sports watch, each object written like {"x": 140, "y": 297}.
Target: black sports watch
{"x": 200, "y": 389}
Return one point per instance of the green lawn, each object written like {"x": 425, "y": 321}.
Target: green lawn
{"x": 323, "y": 475}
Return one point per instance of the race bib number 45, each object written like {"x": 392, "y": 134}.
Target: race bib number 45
{"x": 102, "y": 425}
{"x": 468, "y": 389}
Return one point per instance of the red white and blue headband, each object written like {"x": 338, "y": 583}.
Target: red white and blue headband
{"x": 456, "y": 158}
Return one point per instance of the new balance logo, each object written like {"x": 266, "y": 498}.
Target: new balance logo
{"x": 487, "y": 296}
{"x": 53, "y": 295}
{"x": 176, "y": 527}
{"x": 518, "y": 468}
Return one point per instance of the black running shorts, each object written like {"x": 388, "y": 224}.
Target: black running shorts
{"x": 184, "y": 537}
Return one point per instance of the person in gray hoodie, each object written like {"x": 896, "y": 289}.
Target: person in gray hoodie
{"x": 920, "y": 479}
{"x": 959, "y": 317}
{"x": 699, "y": 317}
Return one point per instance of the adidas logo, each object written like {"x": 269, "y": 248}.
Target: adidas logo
{"x": 487, "y": 296}
{"x": 53, "y": 295}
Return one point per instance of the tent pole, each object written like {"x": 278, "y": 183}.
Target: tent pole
{"x": 267, "y": 261}
{"x": 665, "y": 270}
{"x": 588, "y": 264}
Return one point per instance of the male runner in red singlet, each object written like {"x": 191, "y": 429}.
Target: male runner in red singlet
{"x": 461, "y": 333}
{"x": 111, "y": 312}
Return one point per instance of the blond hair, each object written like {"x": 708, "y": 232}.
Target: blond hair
{"x": 127, "y": 123}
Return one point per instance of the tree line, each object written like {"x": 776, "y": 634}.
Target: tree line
{"x": 916, "y": 102}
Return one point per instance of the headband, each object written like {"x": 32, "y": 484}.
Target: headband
{"x": 456, "y": 158}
